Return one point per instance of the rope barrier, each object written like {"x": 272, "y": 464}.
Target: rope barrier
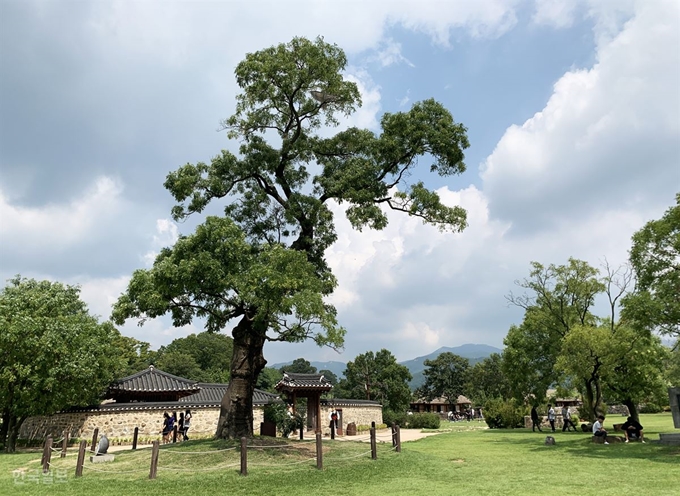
{"x": 197, "y": 452}
{"x": 114, "y": 471}
{"x": 351, "y": 457}
{"x": 306, "y": 460}
{"x": 217, "y": 467}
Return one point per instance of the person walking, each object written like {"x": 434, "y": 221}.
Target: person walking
{"x": 551, "y": 417}
{"x": 187, "y": 424}
{"x": 166, "y": 428}
{"x": 180, "y": 426}
{"x": 535, "y": 421}
{"x": 566, "y": 419}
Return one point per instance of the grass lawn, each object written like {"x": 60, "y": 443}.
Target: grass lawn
{"x": 465, "y": 459}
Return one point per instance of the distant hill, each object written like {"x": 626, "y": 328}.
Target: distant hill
{"x": 474, "y": 352}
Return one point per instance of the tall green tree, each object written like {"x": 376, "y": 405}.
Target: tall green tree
{"x": 268, "y": 379}
{"x": 278, "y": 189}
{"x": 204, "y": 357}
{"x": 53, "y": 353}
{"x": 216, "y": 274}
{"x": 556, "y": 299}
{"x": 655, "y": 257}
{"x": 446, "y": 376}
{"x": 486, "y": 380}
{"x": 377, "y": 376}
{"x": 299, "y": 366}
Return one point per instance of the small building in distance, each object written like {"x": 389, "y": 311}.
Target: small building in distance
{"x": 441, "y": 405}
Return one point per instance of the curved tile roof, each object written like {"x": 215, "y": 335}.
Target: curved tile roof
{"x": 212, "y": 394}
{"x": 304, "y": 381}
{"x": 153, "y": 380}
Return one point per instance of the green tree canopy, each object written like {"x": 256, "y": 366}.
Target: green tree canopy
{"x": 655, "y": 256}
{"x": 486, "y": 380}
{"x": 204, "y": 357}
{"x": 377, "y": 376}
{"x": 277, "y": 191}
{"x": 446, "y": 376}
{"x": 299, "y": 366}
{"x": 54, "y": 353}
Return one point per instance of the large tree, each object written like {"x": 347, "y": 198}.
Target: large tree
{"x": 278, "y": 189}
{"x": 377, "y": 376}
{"x": 446, "y": 376}
{"x": 655, "y": 256}
{"x": 53, "y": 353}
{"x": 299, "y": 366}
{"x": 204, "y": 357}
{"x": 486, "y": 380}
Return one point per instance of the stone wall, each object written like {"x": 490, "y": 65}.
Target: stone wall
{"x": 122, "y": 423}
{"x": 360, "y": 415}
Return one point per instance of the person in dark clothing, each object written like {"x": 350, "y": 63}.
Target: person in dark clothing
{"x": 187, "y": 424}
{"x": 167, "y": 429}
{"x": 633, "y": 429}
{"x": 535, "y": 421}
{"x": 180, "y": 426}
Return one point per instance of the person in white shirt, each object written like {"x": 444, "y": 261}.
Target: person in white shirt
{"x": 598, "y": 430}
{"x": 551, "y": 417}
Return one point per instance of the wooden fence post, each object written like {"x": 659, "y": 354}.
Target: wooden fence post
{"x": 134, "y": 438}
{"x": 302, "y": 435}
{"x": 47, "y": 455}
{"x": 244, "y": 456}
{"x": 81, "y": 458}
{"x": 319, "y": 452}
{"x": 64, "y": 444}
{"x": 398, "y": 439}
{"x": 374, "y": 448}
{"x": 94, "y": 439}
{"x": 154, "y": 460}
{"x": 174, "y": 434}
{"x": 332, "y": 429}
{"x": 394, "y": 434}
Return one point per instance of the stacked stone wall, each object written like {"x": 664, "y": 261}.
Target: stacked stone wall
{"x": 121, "y": 424}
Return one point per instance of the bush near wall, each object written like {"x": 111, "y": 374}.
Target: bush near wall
{"x": 423, "y": 421}
{"x": 503, "y": 414}
{"x": 390, "y": 417}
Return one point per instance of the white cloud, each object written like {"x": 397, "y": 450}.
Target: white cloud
{"x": 389, "y": 53}
{"x": 166, "y": 235}
{"x": 59, "y": 226}
{"x": 606, "y": 135}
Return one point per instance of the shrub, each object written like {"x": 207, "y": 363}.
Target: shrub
{"x": 424, "y": 421}
{"x": 390, "y": 417}
{"x": 284, "y": 420}
{"x": 651, "y": 408}
{"x": 503, "y": 414}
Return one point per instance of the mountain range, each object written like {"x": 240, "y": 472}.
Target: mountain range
{"x": 474, "y": 352}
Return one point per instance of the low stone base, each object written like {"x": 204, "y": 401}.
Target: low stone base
{"x": 102, "y": 458}
{"x": 670, "y": 439}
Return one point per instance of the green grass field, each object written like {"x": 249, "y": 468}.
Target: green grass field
{"x": 465, "y": 459}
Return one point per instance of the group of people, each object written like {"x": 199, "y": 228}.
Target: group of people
{"x": 169, "y": 422}
{"x": 465, "y": 415}
{"x": 567, "y": 422}
{"x": 631, "y": 428}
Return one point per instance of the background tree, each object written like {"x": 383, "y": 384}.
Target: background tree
{"x": 54, "y": 353}
{"x": 299, "y": 366}
{"x": 329, "y": 376}
{"x": 377, "y": 376}
{"x": 558, "y": 298}
{"x": 655, "y": 257}
{"x": 268, "y": 379}
{"x": 446, "y": 376}
{"x": 289, "y": 92}
{"x": 138, "y": 355}
{"x": 487, "y": 380}
{"x": 204, "y": 357}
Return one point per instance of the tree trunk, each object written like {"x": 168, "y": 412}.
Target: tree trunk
{"x": 632, "y": 409}
{"x": 236, "y": 412}
{"x": 13, "y": 432}
{"x": 589, "y": 402}
{"x": 4, "y": 427}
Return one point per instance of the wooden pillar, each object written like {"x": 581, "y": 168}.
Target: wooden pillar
{"x": 94, "y": 439}
{"x": 319, "y": 452}
{"x": 317, "y": 398}
{"x": 244, "y": 456}
{"x": 374, "y": 447}
{"x": 134, "y": 438}
{"x": 47, "y": 455}
{"x": 64, "y": 444}
{"x": 81, "y": 458}
{"x": 154, "y": 460}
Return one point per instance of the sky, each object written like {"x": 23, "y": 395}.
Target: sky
{"x": 572, "y": 110}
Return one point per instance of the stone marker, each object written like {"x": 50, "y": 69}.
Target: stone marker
{"x": 103, "y": 445}
{"x": 549, "y": 441}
